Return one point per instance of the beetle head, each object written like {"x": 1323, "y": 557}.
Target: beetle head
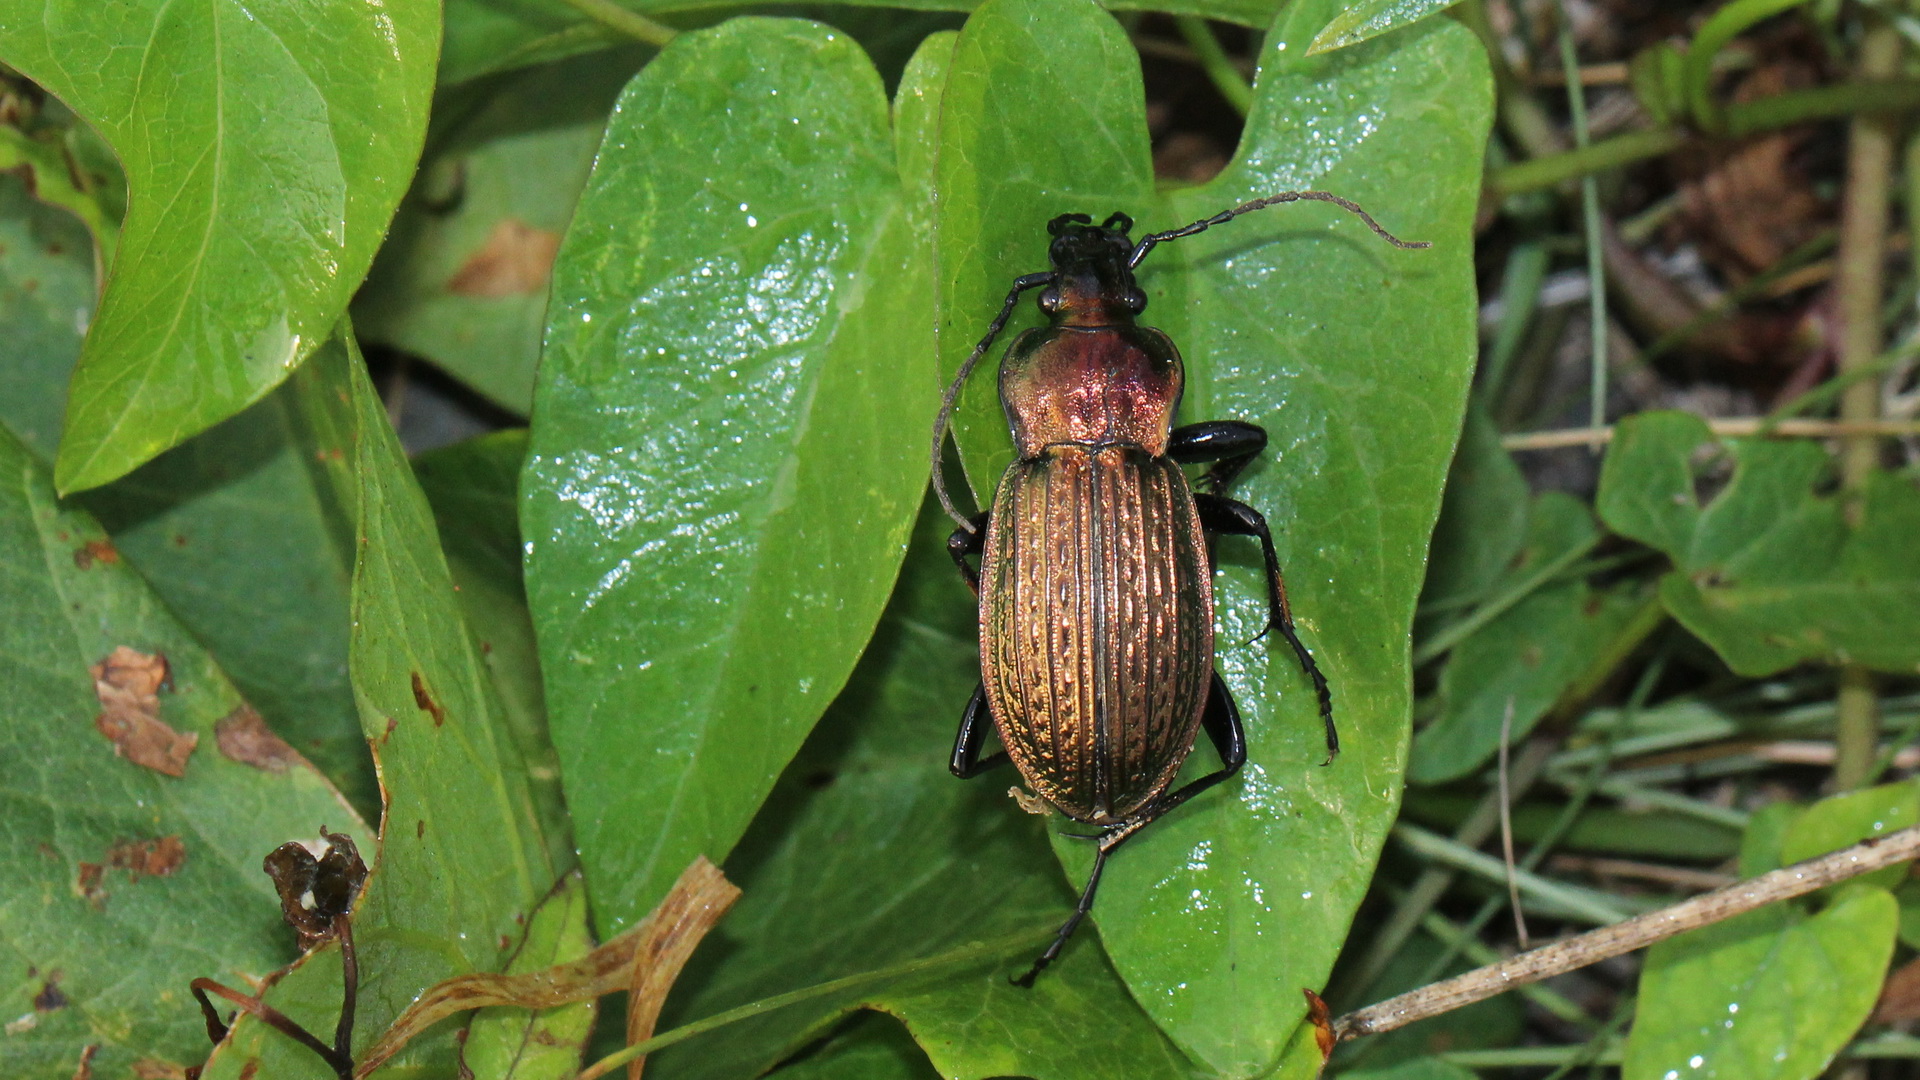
{"x": 1092, "y": 282}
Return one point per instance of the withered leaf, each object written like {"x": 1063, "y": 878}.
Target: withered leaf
{"x": 515, "y": 260}
{"x": 128, "y": 683}
{"x": 314, "y": 891}
{"x": 1322, "y": 1020}
{"x": 1900, "y": 996}
{"x": 662, "y": 942}
{"x": 243, "y": 736}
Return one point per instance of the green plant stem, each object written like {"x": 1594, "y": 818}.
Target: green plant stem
{"x": 1215, "y": 62}
{"x": 631, "y": 23}
{"x": 976, "y": 952}
{"x": 1627, "y": 791}
{"x": 1882, "y": 97}
{"x": 1859, "y": 286}
{"x": 1590, "y": 224}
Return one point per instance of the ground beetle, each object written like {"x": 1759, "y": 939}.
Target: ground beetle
{"x": 1096, "y": 564}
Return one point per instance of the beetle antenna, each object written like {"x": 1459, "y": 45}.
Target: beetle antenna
{"x": 1147, "y": 242}
{"x": 952, "y": 396}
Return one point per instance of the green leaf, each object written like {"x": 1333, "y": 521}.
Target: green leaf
{"x": 521, "y": 1044}
{"x": 1429, "y": 1068}
{"x": 1766, "y": 833}
{"x": 46, "y": 302}
{"x": 1657, "y": 74}
{"x": 872, "y": 1047}
{"x": 1371, "y": 18}
{"x": 239, "y": 531}
{"x": 1769, "y": 995}
{"x": 122, "y": 883}
{"x": 462, "y": 279}
{"x": 1483, "y": 518}
{"x": 1720, "y": 28}
{"x": 870, "y": 853}
{"x": 726, "y": 453}
{"x": 262, "y": 170}
{"x": 461, "y": 863}
{"x": 1769, "y": 573}
{"x": 1527, "y": 655}
{"x": 1850, "y": 817}
{"x": 1352, "y": 354}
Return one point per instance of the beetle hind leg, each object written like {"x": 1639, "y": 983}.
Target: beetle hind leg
{"x": 1228, "y": 517}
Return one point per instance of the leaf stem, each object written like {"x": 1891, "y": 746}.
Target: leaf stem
{"x": 631, "y": 23}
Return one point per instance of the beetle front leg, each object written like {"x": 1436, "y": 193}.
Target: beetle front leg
{"x": 974, "y": 725}
{"x": 971, "y": 540}
{"x": 1230, "y": 444}
{"x": 1222, "y": 515}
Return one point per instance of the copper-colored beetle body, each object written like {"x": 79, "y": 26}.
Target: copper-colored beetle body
{"x": 1096, "y": 605}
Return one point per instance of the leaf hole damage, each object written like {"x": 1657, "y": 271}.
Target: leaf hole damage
{"x": 426, "y": 702}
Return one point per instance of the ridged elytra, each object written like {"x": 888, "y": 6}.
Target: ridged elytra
{"x": 1095, "y": 575}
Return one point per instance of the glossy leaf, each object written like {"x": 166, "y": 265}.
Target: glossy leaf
{"x": 871, "y": 1048}
{"x": 1368, "y": 20}
{"x": 870, "y": 854}
{"x": 1483, "y": 522}
{"x": 519, "y": 1044}
{"x": 122, "y": 883}
{"x": 1527, "y": 655}
{"x": 725, "y": 452}
{"x": 46, "y": 302}
{"x": 1769, "y": 995}
{"x": 462, "y": 279}
{"x": 461, "y": 862}
{"x": 1850, "y": 817}
{"x": 1769, "y": 573}
{"x": 1352, "y": 354}
{"x": 261, "y": 175}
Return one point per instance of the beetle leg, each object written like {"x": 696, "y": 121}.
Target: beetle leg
{"x": 1222, "y": 515}
{"x": 1230, "y": 444}
{"x": 1067, "y": 928}
{"x": 969, "y": 540}
{"x": 974, "y": 724}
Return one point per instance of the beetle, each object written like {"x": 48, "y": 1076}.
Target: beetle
{"x": 1096, "y": 557}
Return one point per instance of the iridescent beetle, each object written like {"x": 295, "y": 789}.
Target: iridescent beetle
{"x": 1095, "y": 578}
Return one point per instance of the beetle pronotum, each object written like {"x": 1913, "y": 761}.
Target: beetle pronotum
{"x": 1095, "y": 576}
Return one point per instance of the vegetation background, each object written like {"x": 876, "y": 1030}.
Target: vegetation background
{"x": 503, "y": 425}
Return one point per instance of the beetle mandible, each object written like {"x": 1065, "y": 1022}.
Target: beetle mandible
{"x": 1096, "y": 561}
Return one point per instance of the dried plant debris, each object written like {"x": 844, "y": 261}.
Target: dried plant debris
{"x": 314, "y": 891}
{"x": 243, "y": 736}
{"x": 128, "y": 684}
{"x": 515, "y": 260}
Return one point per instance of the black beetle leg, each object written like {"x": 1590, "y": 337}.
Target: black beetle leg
{"x": 1221, "y": 722}
{"x": 974, "y": 725}
{"x": 1230, "y": 444}
{"x": 1223, "y": 515}
{"x": 969, "y": 540}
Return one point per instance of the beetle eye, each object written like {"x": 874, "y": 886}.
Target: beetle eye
{"x": 1050, "y": 299}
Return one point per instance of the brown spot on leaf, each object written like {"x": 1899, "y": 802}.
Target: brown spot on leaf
{"x": 1531, "y": 656}
{"x": 149, "y": 1069}
{"x": 1322, "y": 1020}
{"x": 515, "y": 260}
{"x": 95, "y": 551}
{"x": 88, "y": 882}
{"x": 244, "y": 737}
{"x": 250, "y": 1069}
{"x": 426, "y": 702}
{"x": 159, "y": 857}
{"x": 84, "y": 1070}
{"x": 128, "y": 683}
{"x": 50, "y": 998}
{"x": 420, "y": 829}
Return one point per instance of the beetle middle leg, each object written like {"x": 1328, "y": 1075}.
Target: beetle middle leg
{"x": 1221, "y": 721}
{"x": 974, "y": 725}
{"x": 1230, "y": 444}
{"x": 1225, "y": 516}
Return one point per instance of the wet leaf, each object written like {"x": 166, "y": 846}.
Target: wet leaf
{"x": 725, "y": 457}
{"x": 462, "y": 279}
{"x": 1353, "y": 355}
{"x": 1768, "y": 572}
{"x": 261, "y": 178}
{"x": 870, "y": 854}
{"x": 1769, "y": 995}
{"x": 1841, "y": 820}
{"x": 1371, "y": 18}
{"x": 509, "y": 1043}
{"x": 123, "y": 882}
{"x": 461, "y": 861}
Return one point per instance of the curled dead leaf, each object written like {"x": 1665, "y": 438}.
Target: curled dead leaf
{"x": 243, "y": 736}
{"x": 1322, "y": 1020}
{"x": 515, "y": 260}
{"x": 660, "y": 943}
{"x": 128, "y": 683}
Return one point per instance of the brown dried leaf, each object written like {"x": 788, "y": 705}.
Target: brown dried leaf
{"x": 515, "y": 261}
{"x": 243, "y": 736}
{"x": 1900, "y": 997}
{"x": 128, "y": 684}
{"x": 1752, "y": 201}
{"x": 660, "y": 942}
{"x": 1322, "y": 1020}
